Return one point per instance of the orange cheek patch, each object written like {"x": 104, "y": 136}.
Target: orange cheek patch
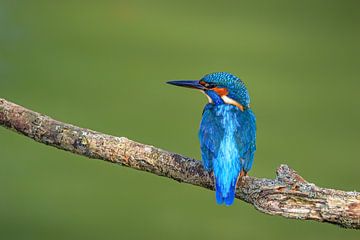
{"x": 220, "y": 91}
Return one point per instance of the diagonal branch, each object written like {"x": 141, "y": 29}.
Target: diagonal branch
{"x": 288, "y": 195}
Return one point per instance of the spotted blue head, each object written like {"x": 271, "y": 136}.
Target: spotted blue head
{"x": 220, "y": 87}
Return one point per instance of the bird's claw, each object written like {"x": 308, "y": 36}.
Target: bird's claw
{"x": 240, "y": 179}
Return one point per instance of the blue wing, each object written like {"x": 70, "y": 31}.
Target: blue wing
{"x": 210, "y": 135}
{"x": 246, "y": 138}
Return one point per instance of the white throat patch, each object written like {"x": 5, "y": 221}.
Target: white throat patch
{"x": 231, "y": 101}
{"x": 226, "y": 100}
{"x": 209, "y": 98}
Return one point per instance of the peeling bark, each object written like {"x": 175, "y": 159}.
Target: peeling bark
{"x": 288, "y": 195}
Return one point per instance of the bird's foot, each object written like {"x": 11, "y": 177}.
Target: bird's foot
{"x": 240, "y": 179}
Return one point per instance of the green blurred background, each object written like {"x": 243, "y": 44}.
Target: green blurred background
{"x": 102, "y": 65}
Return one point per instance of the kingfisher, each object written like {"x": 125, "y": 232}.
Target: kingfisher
{"x": 227, "y": 131}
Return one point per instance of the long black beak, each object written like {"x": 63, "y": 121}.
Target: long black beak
{"x": 187, "y": 84}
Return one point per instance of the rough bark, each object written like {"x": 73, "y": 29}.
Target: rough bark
{"x": 288, "y": 195}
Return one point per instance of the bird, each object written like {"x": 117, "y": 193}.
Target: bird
{"x": 227, "y": 131}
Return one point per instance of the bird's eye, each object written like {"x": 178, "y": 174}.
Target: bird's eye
{"x": 207, "y": 85}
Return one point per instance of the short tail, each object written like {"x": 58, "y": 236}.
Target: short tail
{"x": 225, "y": 198}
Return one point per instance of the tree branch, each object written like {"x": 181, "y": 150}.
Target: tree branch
{"x": 288, "y": 195}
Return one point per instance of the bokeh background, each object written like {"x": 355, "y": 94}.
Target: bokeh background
{"x": 102, "y": 65}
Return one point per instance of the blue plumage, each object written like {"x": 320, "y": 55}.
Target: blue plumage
{"x": 227, "y": 131}
{"x": 227, "y": 140}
